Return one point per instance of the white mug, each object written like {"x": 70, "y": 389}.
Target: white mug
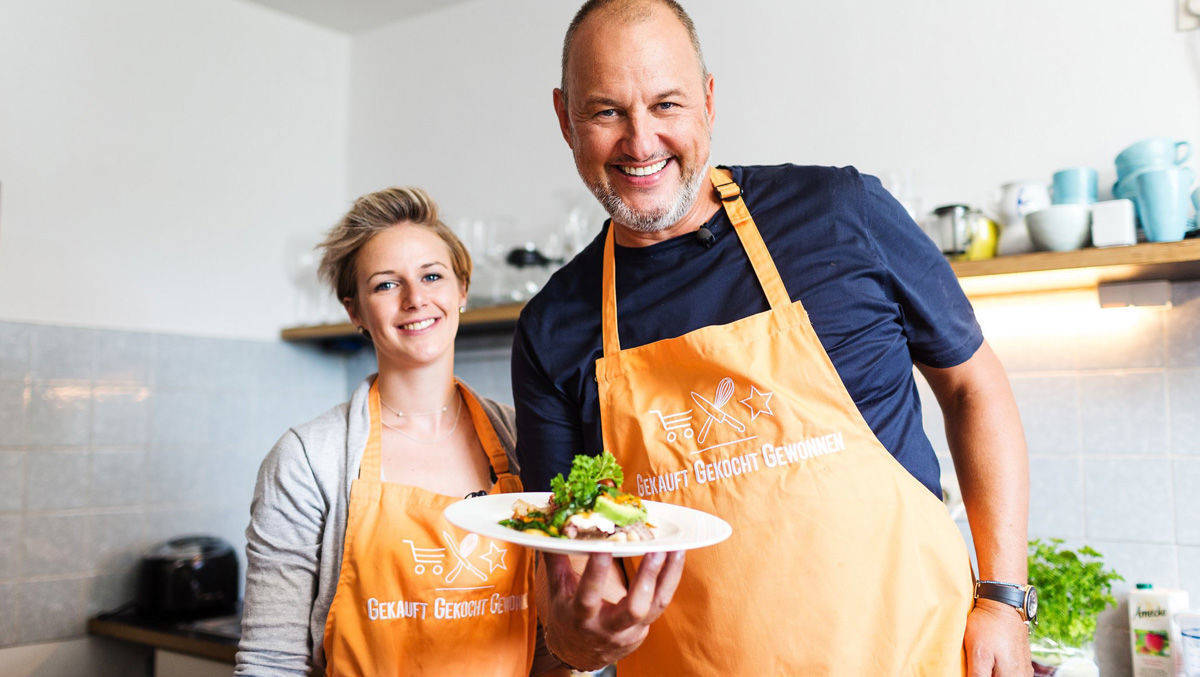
{"x": 1019, "y": 198}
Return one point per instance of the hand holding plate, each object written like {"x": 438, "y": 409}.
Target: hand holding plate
{"x": 592, "y": 619}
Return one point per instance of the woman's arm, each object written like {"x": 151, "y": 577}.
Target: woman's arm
{"x": 282, "y": 556}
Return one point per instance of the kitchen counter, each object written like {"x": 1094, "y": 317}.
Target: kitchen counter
{"x": 211, "y": 638}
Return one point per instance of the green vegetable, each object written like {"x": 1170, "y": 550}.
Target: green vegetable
{"x": 621, "y": 514}
{"x": 582, "y": 486}
{"x": 1073, "y": 588}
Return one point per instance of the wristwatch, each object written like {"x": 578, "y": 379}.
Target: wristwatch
{"x": 1023, "y": 597}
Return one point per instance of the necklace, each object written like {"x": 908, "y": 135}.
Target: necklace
{"x": 443, "y": 438}
{"x": 413, "y": 413}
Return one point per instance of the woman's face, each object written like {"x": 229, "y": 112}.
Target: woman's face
{"x": 408, "y": 296}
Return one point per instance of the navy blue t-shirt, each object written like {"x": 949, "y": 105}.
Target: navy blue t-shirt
{"x": 879, "y": 294}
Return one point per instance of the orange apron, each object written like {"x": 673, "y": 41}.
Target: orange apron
{"x": 417, "y": 595}
{"x": 840, "y": 561}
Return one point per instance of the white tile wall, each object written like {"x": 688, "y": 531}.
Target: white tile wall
{"x": 1110, "y": 404}
{"x": 171, "y": 431}
{"x": 111, "y": 441}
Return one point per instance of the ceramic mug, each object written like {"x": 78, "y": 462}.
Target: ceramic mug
{"x": 1158, "y": 152}
{"x": 1161, "y": 198}
{"x": 1076, "y": 185}
{"x": 1019, "y": 198}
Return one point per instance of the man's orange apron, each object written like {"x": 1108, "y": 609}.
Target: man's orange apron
{"x": 417, "y": 595}
{"x": 840, "y": 561}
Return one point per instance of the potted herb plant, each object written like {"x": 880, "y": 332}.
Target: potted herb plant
{"x": 1073, "y": 588}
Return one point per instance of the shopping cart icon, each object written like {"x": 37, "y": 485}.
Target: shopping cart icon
{"x": 672, "y": 422}
{"x": 424, "y": 556}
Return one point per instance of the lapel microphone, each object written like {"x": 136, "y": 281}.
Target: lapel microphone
{"x": 705, "y": 237}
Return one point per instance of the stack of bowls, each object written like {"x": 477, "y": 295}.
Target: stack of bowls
{"x": 1151, "y": 173}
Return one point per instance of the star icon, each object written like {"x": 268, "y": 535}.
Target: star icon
{"x": 498, "y": 554}
{"x": 755, "y": 408}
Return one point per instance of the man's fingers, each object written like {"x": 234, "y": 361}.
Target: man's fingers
{"x": 589, "y": 594}
{"x": 668, "y": 581}
{"x": 633, "y": 609}
{"x": 979, "y": 664}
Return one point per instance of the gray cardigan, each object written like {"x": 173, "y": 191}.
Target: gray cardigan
{"x": 297, "y": 528}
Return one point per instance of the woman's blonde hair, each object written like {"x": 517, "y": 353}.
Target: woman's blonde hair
{"x": 372, "y": 214}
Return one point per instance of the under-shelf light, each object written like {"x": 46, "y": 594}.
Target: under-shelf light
{"x": 1140, "y": 294}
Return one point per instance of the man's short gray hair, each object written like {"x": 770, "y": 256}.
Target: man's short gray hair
{"x": 629, "y": 11}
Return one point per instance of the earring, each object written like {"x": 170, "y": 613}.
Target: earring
{"x": 462, "y": 309}
{"x": 364, "y": 333}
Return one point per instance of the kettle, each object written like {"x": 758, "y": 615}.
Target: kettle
{"x": 963, "y": 233}
{"x": 188, "y": 578}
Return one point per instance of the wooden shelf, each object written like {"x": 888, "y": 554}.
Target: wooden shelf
{"x": 1048, "y": 271}
{"x": 1040, "y": 271}
{"x": 474, "y": 321}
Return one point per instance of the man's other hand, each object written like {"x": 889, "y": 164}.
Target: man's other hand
{"x": 592, "y": 619}
{"x": 997, "y": 641}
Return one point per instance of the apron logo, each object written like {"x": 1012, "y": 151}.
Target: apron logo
{"x": 714, "y": 411}
{"x": 433, "y": 560}
{"x": 756, "y": 405}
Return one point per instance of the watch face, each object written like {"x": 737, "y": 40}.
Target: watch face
{"x": 1031, "y": 604}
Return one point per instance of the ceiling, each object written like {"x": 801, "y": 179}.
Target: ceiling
{"x": 355, "y": 16}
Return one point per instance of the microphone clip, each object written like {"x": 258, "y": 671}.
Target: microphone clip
{"x": 706, "y": 237}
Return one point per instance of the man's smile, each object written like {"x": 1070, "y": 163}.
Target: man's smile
{"x": 648, "y": 170}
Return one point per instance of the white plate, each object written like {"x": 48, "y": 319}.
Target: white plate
{"x": 675, "y": 527}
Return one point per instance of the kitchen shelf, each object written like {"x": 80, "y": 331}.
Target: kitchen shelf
{"x": 343, "y": 334}
{"x": 1083, "y": 268}
{"x": 1039, "y": 271}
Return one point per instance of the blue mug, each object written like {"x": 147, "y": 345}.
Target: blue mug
{"x": 1075, "y": 186}
{"x": 1155, "y": 153}
{"x": 1161, "y": 196}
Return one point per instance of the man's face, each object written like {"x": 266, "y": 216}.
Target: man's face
{"x": 638, "y": 115}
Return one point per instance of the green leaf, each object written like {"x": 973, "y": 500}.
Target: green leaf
{"x": 1073, "y": 587}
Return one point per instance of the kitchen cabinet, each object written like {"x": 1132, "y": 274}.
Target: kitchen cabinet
{"x": 183, "y": 649}
{"x": 1039, "y": 271}
{"x": 171, "y": 664}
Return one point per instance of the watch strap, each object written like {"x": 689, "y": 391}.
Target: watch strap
{"x": 1005, "y": 593}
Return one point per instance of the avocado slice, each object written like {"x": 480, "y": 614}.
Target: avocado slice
{"x": 621, "y": 514}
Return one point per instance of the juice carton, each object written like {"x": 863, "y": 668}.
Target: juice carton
{"x": 1154, "y": 640}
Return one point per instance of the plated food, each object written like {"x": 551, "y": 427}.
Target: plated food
{"x": 587, "y": 505}
{"x": 588, "y": 513}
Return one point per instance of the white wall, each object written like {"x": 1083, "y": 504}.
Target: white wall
{"x": 965, "y": 94}
{"x": 156, "y": 157}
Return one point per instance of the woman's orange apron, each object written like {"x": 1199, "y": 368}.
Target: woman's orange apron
{"x": 419, "y": 596}
{"x": 840, "y": 561}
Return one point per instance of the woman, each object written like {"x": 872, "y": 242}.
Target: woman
{"x": 352, "y": 570}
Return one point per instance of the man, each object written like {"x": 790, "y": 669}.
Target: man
{"x": 743, "y": 342}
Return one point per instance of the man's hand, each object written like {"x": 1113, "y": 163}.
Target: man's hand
{"x": 997, "y": 641}
{"x": 587, "y": 622}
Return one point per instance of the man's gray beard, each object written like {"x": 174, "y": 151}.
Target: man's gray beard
{"x": 651, "y": 222}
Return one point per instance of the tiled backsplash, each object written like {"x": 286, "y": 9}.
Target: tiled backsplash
{"x": 1110, "y": 402}
{"x": 112, "y": 441}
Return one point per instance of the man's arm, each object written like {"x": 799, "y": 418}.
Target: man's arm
{"x": 987, "y": 443}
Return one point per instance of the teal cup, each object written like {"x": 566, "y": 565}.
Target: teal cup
{"x": 1155, "y": 153}
{"x": 1161, "y": 196}
{"x": 1074, "y": 186}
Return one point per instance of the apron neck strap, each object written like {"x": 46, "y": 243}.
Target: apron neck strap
{"x": 506, "y": 481}
{"x": 743, "y": 224}
{"x": 370, "y": 468}
{"x": 730, "y": 195}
